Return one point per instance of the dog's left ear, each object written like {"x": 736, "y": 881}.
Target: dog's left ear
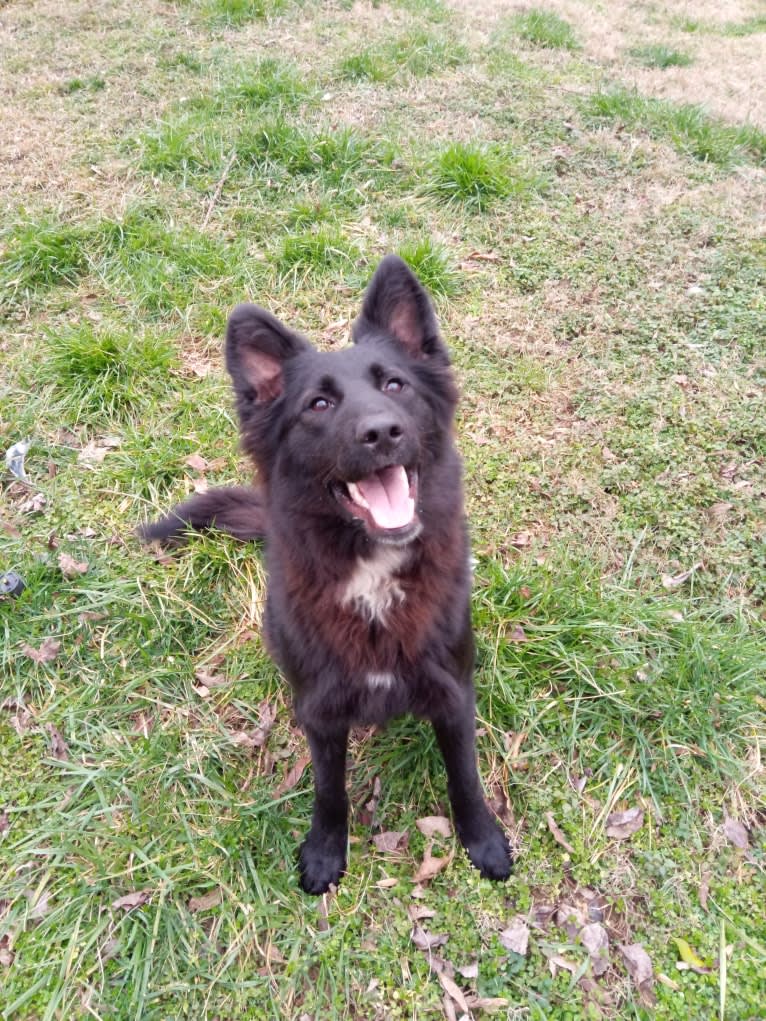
{"x": 397, "y": 304}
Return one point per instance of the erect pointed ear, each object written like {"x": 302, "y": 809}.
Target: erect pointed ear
{"x": 257, "y": 346}
{"x": 396, "y": 303}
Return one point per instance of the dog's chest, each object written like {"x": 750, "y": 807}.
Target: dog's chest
{"x": 373, "y": 586}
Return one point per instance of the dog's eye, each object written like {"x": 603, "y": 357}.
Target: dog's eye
{"x": 320, "y": 404}
{"x": 393, "y": 386}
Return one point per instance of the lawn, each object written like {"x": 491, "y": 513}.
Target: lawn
{"x": 582, "y": 194}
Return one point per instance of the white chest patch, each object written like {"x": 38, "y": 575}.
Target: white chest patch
{"x": 380, "y": 681}
{"x": 373, "y": 588}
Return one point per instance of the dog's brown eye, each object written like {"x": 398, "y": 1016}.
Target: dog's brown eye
{"x": 320, "y": 404}
{"x": 393, "y": 386}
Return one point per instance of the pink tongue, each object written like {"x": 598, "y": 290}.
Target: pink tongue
{"x": 387, "y": 493}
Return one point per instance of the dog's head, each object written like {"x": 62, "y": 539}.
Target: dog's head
{"x": 349, "y": 434}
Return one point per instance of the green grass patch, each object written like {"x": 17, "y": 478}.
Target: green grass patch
{"x": 418, "y": 53}
{"x": 433, "y": 266}
{"x": 544, "y": 28}
{"x": 36, "y": 254}
{"x": 660, "y": 56}
{"x": 474, "y": 176}
{"x": 314, "y": 253}
{"x": 104, "y": 374}
{"x": 234, "y": 13}
{"x": 691, "y": 130}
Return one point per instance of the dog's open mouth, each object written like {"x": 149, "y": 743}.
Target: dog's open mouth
{"x": 385, "y": 500}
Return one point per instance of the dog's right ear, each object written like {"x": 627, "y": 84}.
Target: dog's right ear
{"x": 257, "y": 346}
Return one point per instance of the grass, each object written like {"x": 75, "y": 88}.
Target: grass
{"x": 660, "y": 56}
{"x": 604, "y": 308}
{"x": 474, "y": 176}
{"x": 688, "y": 127}
{"x": 419, "y": 53}
{"x": 544, "y": 28}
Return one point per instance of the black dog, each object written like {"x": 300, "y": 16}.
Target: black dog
{"x": 360, "y": 501}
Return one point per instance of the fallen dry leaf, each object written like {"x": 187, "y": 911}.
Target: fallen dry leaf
{"x": 206, "y": 901}
{"x": 59, "y": 749}
{"x": 517, "y": 634}
{"x": 469, "y": 970}
{"x": 417, "y": 912}
{"x": 133, "y": 900}
{"x": 452, "y": 989}
{"x": 38, "y": 904}
{"x": 391, "y": 840}
{"x": 516, "y": 936}
{"x": 556, "y": 962}
{"x": 639, "y": 966}
{"x": 489, "y": 1003}
{"x": 425, "y": 940}
{"x": 433, "y": 824}
{"x": 47, "y": 652}
{"x": 673, "y": 581}
{"x": 292, "y": 777}
{"x": 387, "y": 884}
{"x": 596, "y": 941}
{"x": 621, "y": 825}
{"x": 5, "y": 823}
{"x": 736, "y": 833}
{"x": 70, "y": 567}
{"x": 431, "y": 866}
{"x": 197, "y": 462}
{"x": 6, "y": 954}
{"x": 211, "y": 680}
{"x": 558, "y": 836}
{"x": 94, "y": 453}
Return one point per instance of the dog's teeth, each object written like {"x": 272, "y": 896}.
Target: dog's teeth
{"x": 356, "y": 495}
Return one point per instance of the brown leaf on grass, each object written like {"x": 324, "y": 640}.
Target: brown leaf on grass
{"x": 425, "y": 940}
{"x": 391, "y": 840}
{"x": 488, "y": 1003}
{"x": 94, "y": 453}
{"x": 557, "y": 834}
{"x": 452, "y": 989}
{"x": 208, "y": 900}
{"x": 596, "y": 941}
{"x": 59, "y": 749}
{"x": 516, "y": 937}
{"x": 292, "y": 776}
{"x": 267, "y": 715}
{"x": 46, "y": 653}
{"x": 5, "y": 823}
{"x": 430, "y": 825}
{"x": 387, "y": 884}
{"x": 133, "y": 900}
{"x": 469, "y": 970}
{"x": 557, "y": 963}
{"x": 197, "y": 462}
{"x": 70, "y": 567}
{"x": 571, "y": 918}
{"x": 431, "y": 866}
{"x": 211, "y": 680}
{"x": 621, "y": 825}
{"x": 517, "y": 634}
{"x": 417, "y": 912}
{"x": 736, "y": 833}
{"x": 6, "y": 954}
{"x": 639, "y": 966}
{"x": 673, "y": 581}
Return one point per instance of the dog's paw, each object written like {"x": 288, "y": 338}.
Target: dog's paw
{"x": 322, "y": 861}
{"x": 491, "y": 854}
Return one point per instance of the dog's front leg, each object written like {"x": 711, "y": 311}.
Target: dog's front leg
{"x": 323, "y": 853}
{"x": 479, "y": 833}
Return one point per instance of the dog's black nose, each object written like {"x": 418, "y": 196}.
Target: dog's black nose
{"x": 379, "y": 432}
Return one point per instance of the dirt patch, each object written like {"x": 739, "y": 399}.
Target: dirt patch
{"x": 726, "y": 76}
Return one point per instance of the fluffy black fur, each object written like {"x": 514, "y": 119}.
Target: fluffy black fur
{"x": 367, "y": 621}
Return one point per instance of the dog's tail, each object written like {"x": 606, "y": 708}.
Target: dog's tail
{"x": 237, "y": 510}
